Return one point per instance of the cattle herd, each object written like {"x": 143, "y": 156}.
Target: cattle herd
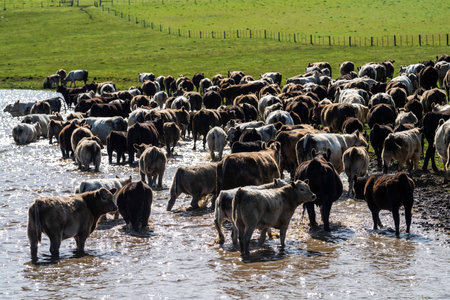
{"x": 314, "y": 127}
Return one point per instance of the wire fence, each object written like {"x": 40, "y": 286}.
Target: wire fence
{"x": 440, "y": 39}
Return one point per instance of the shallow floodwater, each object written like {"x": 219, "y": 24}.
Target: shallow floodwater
{"x": 180, "y": 260}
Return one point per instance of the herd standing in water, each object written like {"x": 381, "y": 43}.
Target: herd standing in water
{"x": 313, "y": 127}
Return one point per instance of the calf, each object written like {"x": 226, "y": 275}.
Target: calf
{"x": 430, "y": 123}
{"x": 435, "y": 96}
{"x": 223, "y": 207}
{"x": 41, "y": 107}
{"x": 19, "y": 108}
{"x": 356, "y": 163}
{"x": 79, "y": 134}
{"x": 256, "y": 146}
{"x": 26, "y": 133}
{"x": 442, "y": 144}
{"x": 88, "y": 150}
{"x": 352, "y": 124}
{"x": 43, "y": 120}
{"x": 63, "y": 217}
{"x": 54, "y": 128}
{"x": 390, "y": 192}
{"x": 197, "y": 181}
{"x": 171, "y": 136}
{"x": 320, "y": 174}
{"x": 109, "y": 184}
{"x": 152, "y": 163}
{"x": 117, "y": 142}
{"x": 378, "y": 134}
{"x": 255, "y": 168}
{"x": 217, "y": 138}
{"x": 322, "y": 142}
{"x": 404, "y": 117}
{"x": 264, "y": 209}
{"x": 139, "y": 133}
{"x": 202, "y": 121}
{"x": 134, "y": 201}
{"x": 404, "y": 146}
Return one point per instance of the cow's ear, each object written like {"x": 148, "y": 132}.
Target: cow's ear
{"x": 103, "y": 193}
{"x": 306, "y": 181}
{"x": 292, "y": 184}
{"x": 113, "y": 190}
{"x": 136, "y": 146}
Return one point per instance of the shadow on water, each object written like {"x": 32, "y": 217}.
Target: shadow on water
{"x": 268, "y": 253}
{"x": 389, "y": 232}
{"x": 338, "y": 233}
{"x": 109, "y": 223}
{"x": 68, "y": 256}
{"x": 146, "y": 233}
{"x": 190, "y": 212}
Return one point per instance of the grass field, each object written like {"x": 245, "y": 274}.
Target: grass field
{"x": 323, "y": 17}
{"x": 36, "y": 41}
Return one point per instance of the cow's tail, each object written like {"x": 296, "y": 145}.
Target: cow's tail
{"x": 34, "y": 224}
{"x": 235, "y": 204}
{"x": 447, "y": 164}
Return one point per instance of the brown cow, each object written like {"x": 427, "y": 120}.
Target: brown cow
{"x": 404, "y": 146}
{"x": 171, "y": 136}
{"x": 389, "y": 192}
{"x": 152, "y": 163}
{"x": 197, "y": 181}
{"x": 63, "y": 217}
{"x": 255, "y": 168}
{"x": 134, "y": 201}
{"x": 356, "y": 163}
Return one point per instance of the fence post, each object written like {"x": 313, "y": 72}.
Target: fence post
{"x": 237, "y": 33}
{"x": 310, "y": 39}
{"x": 160, "y": 27}
{"x": 447, "y": 39}
{"x": 420, "y": 40}
{"x": 250, "y": 33}
{"x": 265, "y": 34}
{"x": 212, "y": 34}
{"x": 350, "y": 41}
{"x": 179, "y": 32}
{"x": 371, "y": 41}
{"x": 278, "y": 36}
{"x": 295, "y": 40}
{"x": 151, "y": 24}
{"x": 224, "y": 35}
{"x": 137, "y": 22}
{"x": 395, "y": 41}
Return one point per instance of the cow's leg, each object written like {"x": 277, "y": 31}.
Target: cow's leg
{"x": 142, "y": 176}
{"x": 375, "y": 218}
{"x": 262, "y": 237}
{"x": 218, "y": 225}
{"x": 80, "y": 240}
{"x": 194, "y": 134}
{"x": 204, "y": 142}
{"x": 234, "y": 235}
{"x": 325, "y": 214}
{"x": 396, "y": 216}
{"x": 283, "y": 236}
{"x": 408, "y": 217}
{"x": 213, "y": 158}
{"x": 160, "y": 178}
{"x": 247, "y": 237}
{"x": 55, "y": 243}
{"x": 195, "y": 200}
{"x": 311, "y": 214}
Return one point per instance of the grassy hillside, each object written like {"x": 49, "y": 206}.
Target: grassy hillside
{"x": 323, "y": 17}
{"x": 35, "y": 42}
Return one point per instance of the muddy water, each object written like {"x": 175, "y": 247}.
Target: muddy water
{"x": 178, "y": 259}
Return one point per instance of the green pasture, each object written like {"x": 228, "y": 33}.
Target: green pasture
{"x": 320, "y": 17}
{"x": 35, "y": 42}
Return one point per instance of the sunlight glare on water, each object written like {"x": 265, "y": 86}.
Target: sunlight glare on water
{"x": 179, "y": 259}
